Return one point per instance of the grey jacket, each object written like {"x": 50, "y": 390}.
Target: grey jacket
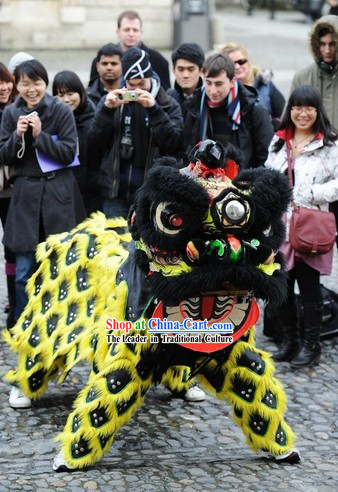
{"x": 313, "y": 75}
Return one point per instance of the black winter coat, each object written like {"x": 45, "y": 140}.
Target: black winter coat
{"x": 159, "y": 65}
{"x": 253, "y": 135}
{"x": 96, "y": 90}
{"x": 41, "y": 204}
{"x": 178, "y": 95}
{"x": 5, "y": 189}
{"x": 83, "y": 120}
{"x": 87, "y": 174}
{"x": 166, "y": 130}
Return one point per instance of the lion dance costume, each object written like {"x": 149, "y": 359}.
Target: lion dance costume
{"x": 203, "y": 246}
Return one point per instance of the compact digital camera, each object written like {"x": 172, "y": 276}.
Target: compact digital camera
{"x": 34, "y": 113}
{"x": 129, "y": 96}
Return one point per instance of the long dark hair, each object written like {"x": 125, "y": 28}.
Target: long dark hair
{"x": 7, "y": 76}
{"x": 306, "y": 95}
{"x": 68, "y": 81}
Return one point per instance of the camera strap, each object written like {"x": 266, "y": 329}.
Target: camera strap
{"x": 22, "y": 149}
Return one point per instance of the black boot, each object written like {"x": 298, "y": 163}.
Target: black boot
{"x": 11, "y": 299}
{"x": 290, "y": 344}
{"x": 310, "y": 352}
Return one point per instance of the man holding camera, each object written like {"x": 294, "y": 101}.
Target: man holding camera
{"x": 132, "y": 126}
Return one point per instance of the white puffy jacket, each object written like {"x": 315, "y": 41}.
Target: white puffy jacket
{"x": 315, "y": 173}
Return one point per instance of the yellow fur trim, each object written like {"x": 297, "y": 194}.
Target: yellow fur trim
{"x": 166, "y": 270}
{"x": 269, "y": 269}
{"x": 170, "y": 270}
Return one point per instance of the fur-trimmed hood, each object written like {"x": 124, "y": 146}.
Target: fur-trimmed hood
{"x": 329, "y": 21}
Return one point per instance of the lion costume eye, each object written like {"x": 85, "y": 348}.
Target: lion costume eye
{"x": 167, "y": 219}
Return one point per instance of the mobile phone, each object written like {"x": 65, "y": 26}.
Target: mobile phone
{"x": 129, "y": 96}
{"x": 34, "y": 113}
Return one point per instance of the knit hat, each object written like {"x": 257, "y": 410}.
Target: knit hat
{"x": 18, "y": 58}
{"x": 136, "y": 64}
{"x": 191, "y": 52}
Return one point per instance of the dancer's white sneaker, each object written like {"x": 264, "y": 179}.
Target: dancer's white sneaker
{"x": 195, "y": 394}
{"x": 60, "y": 464}
{"x": 292, "y": 457}
{"x": 17, "y": 399}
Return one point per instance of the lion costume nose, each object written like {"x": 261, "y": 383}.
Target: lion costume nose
{"x": 233, "y": 211}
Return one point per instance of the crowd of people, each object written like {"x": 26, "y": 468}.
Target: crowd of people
{"x": 66, "y": 155}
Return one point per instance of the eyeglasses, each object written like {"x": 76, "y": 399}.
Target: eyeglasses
{"x": 241, "y": 62}
{"x": 309, "y": 110}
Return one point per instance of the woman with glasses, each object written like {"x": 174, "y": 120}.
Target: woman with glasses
{"x": 307, "y": 141}
{"x": 261, "y": 80}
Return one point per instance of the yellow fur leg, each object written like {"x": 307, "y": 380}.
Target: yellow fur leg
{"x": 109, "y": 400}
{"x": 258, "y": 400}
{"x": 69, "y": 296}
{"x": 176, "y": 379}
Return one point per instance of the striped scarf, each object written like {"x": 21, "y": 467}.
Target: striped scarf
{"x": 233, "y": 108}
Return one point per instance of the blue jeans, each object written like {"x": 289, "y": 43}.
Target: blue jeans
{"x": 25, "y": 267}
{"x": 115, "y": 207}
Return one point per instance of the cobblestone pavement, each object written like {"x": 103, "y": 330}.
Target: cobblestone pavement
{"x": 172, "y": 445}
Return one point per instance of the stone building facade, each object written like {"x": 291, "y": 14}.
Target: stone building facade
{"x": 75, "y": 24}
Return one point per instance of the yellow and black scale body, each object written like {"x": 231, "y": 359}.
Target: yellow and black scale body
{"x": 79, "y": 283}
